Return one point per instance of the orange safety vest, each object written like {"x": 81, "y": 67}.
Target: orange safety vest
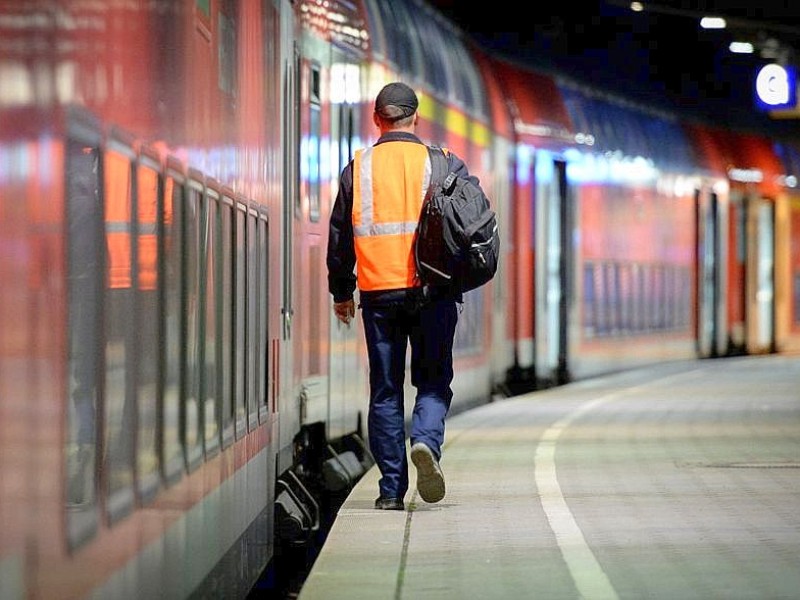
{"x": 389, "y": 185}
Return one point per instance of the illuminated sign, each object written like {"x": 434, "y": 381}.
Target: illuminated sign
{"x": 776, "y": 87}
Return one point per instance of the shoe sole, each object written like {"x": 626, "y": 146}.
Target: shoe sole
{"x": 430, "y": 480}
{"x": 397, "y": 506}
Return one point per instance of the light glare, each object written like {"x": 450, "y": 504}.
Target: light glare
{"x": 741, "y": 47}
{"x": 712, "y": 23}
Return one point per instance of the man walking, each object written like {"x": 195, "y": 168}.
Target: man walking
{"x": 372, "y": 228}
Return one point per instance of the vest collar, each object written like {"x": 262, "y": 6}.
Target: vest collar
{"x": 398, "y": 136}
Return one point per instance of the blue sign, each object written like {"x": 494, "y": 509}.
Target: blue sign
{"x": 776, "y": 87}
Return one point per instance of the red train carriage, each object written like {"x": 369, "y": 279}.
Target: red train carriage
{"x": 134, "y": 395}
{"x": 744, "y": 228}
{"x": 604, "y": 252}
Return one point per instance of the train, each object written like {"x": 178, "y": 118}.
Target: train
{"x": 179, "y": 408}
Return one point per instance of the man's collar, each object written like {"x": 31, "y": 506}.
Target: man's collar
{"x": 398, "y": 136}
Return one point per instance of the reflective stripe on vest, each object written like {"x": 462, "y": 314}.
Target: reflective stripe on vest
{"x": 389, "y": 185}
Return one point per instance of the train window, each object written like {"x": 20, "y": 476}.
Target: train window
{"x": 147, "y": 185}
{"x": 616, "y": 298}
{"x": 84, "y": 213}
{"x": 653, "y": 298}
{"x": 683, "y": 292}
{"x": 625, "y": 298}
{"x": 471, "y": 331}
{"x": 673, "y": 300}
{"x": 313, "y": 146}
{"x": 388, "y": 22}
{"x": 639, "y": 306}
{"x": 253, "y": 333}
{"x": 433, "y": 61}
{"x": 604, "y": 321}
{"x": 740, "y": 225}
{"x": 607, "y": 128}
{"x": 470, "y": 84}
{"x": 347, "y": 135}
{"x": 226, "y": 51}
{"x": 273, "y": 55}
{"x": 119, "y": 414}
{"x": 589, "y": 304}
{"x": 225, "y": 333}
{"x": 262, "y": 234}
{"x": 209, "y": 330}
{"x": 669, "y": 297}
{"x": 315, "y": 343}
{"x": 408, "y": 49}
{"x": 240, "y": 323}
{"x": 171, "y": 242}
{"x": 204, "y": 7}
{"x": 192, "y": 253}
{"x": 600, "y": 308}
{"x": 460, "y": 78}
{"x": 574, "y": 107}
{"x": 764, "y": 212}
{"x": 314, "y": 85}
{"x": 661, "y": 295}
{"x": 796, "y": 296}
{"x": 634, "y": 298}
{"x": 400, "y": 46}
{"x": 377, "y": 39}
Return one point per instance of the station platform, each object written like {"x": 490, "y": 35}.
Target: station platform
{"x": 676, "y": 481}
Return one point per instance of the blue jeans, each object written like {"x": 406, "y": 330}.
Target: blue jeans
{"x": 388, "y": 330}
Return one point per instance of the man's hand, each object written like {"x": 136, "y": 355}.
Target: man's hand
{"x": 345, "y": 311}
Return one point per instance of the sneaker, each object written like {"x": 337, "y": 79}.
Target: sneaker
{"x": 430, "y": 479}
{"x": 389, "y": 504}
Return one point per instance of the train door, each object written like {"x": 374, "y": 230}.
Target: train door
{"x": 347, "y": 382}
{"x": 502, "y": 350}
{"x": 710, "y": 331}
{"x": 760, "y": 275}
{"x": 787, "y": 273}
{"x": 290, "y": 182}
{"x": 310, "y": 332}
{"x": 553, "y": 243}
{"x": 524, "y": 238}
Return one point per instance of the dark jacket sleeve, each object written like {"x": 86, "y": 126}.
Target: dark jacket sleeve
{"x": 341, "y": 258}
{"x": 458, "y": 167}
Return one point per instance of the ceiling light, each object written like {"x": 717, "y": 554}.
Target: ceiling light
{"x": 741, "y": 47}
{"x": 712, "y": 23}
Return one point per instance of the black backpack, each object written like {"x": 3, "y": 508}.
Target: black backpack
{"x": 457, "y": 243}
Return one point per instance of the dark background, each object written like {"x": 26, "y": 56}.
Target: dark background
{"x": 659, "y": 57}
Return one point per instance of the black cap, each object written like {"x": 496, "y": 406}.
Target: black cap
{"x": 396, "y": 101}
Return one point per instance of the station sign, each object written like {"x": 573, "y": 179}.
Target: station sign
{"x": 776, "y": 88}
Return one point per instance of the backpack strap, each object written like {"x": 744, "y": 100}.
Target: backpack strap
{"x": 440, "y": 167}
